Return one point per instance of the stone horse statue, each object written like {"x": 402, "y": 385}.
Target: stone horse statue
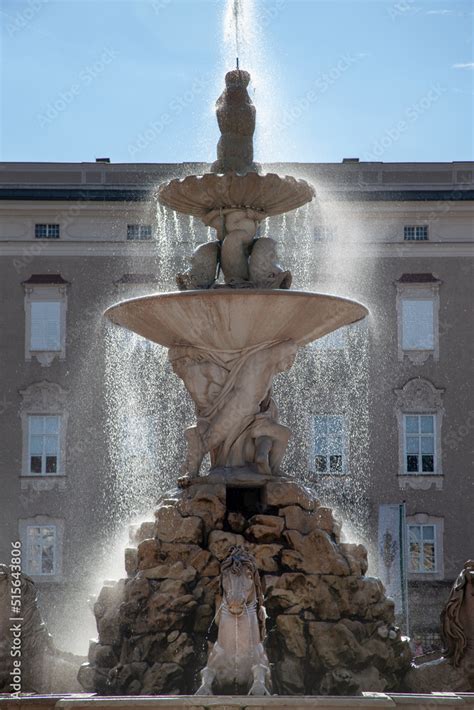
{"x": 238, "y": 660}
{"x": 455, "y": 670}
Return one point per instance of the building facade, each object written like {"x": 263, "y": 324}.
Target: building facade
{"x": 382, "y": 413}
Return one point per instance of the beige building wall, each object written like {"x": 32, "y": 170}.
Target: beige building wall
{"x": 352, "y": 244}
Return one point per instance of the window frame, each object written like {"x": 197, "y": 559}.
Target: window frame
{"x": 432, "y": 539}
{"x": 415, "y": 227}
{"x": 48, "y": 227}
{"x": 43, "y": 399}
{"x": 44, "y": 454}
{"x": 42, "y": 521}
{"x": 425, "y": 519}
{"x": 403, "y": 301}
{"x": 419, "y": 396}
{"x": 139, "y": 227}
{"x": 419, "y": 436}
{"x": 422, "y": 291}
{"x": 27, "y": 556}
{"x": 345, "y": 448}
{"x": 44, "y": 293}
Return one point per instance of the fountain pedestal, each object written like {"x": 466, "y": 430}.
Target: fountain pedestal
{"x": 327, "y": 624}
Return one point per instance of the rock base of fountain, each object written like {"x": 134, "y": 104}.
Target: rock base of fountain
{"x": 330, "y": 627}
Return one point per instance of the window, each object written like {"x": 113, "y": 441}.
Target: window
{"x": 419, "y": 410}
{"x": 415, "y": 233}
{"x": 333, "y": 341}
{"x": 418, "y": 317}
{"x": 421, "y": 548}
{"x": 139, "y": 231}
{"x": 324, "y": 233}
{"x": 417, "y": 324}
{"x": 43, "y": 444}
{"x": 41, "y": 550}
{"x": 44, "y": 423}
{"x": 46, "y": 231}
{"x": 419, "y": 443}
{"x": 42, "y": 547}
{"x": 45, "y": 325}
{"x": 329, "y": 444}
{"x": 45, "y": 321}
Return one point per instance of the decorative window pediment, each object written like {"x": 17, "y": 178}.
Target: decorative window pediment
{"x": 419, "y": 395}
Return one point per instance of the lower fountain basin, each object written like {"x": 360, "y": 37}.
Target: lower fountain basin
{"x": 227, "y": 319}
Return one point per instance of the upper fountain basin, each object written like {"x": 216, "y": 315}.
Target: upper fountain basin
{"x": 266, "y": 194}
{"x": 227, "y": 319}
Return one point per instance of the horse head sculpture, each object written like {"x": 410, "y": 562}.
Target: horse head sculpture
{"x": 454, "y": 672}
{"x": 238, "y": 660}
{"x": 457, "y": 617}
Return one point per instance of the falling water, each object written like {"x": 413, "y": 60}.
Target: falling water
{"x": 244, "y": 24}
{"x": 148, "y": 407}
{"x": 327, "y": 381}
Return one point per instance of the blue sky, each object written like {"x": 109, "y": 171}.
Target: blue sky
{"x": 135, "y": 80}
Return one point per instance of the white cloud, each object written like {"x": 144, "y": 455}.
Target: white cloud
{"x": 466, "y": 65}
{"x": 439, "y": 12}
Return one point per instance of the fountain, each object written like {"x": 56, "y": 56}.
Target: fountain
{"x": 240, "y": 541}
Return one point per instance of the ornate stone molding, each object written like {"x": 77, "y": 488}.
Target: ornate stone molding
{"x": 419, "y": 396}
{"x": 43, "y": 398}
{"x": 421, "y": 482}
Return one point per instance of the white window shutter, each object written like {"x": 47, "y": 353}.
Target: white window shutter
{"x": 417, "y": 324}
{"x": 45, "y": 325}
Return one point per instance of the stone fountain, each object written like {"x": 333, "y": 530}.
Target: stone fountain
{"x": 240, "y": 542}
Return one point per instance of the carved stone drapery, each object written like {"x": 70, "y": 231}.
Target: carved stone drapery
{"x": 419, "y": 396}
{"x": 236, "y": 415}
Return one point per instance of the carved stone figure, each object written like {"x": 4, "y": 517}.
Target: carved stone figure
{"x": 455, "y": 670}
{"x": 236, "y": 118}
{"x": 264, "y": 271}
{"x": 246, "y": 262}
{"x": 203, "y": 270}
{"x": 238, "y": 657}
{"x": 236, "y": 417}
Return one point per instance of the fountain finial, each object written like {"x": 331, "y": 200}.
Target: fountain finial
{"x": 236, "y": 119}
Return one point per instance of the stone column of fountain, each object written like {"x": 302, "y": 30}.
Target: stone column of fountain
{"x": 232, "y": 327}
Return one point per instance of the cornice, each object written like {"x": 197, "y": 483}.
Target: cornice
{"x": 151, "y": 249}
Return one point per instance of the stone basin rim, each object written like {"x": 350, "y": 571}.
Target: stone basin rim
{"x": 162, "y": 329}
